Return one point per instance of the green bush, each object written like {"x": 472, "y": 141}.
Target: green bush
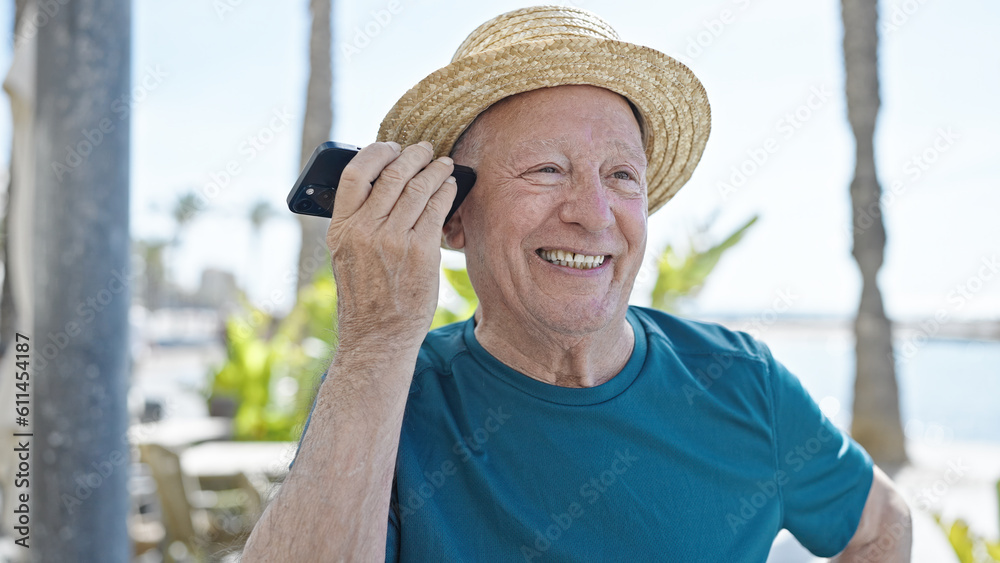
{"x": 272, "y": 369}
{"x": 683, "y": 275}
{"x": 970, "y": 547}
{"x": 458, "y": 279}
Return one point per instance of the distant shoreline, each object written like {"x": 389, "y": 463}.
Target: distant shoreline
{"x": 811, "y": 327}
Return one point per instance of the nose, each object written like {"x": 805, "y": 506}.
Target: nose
{"x": 586, "y": 203}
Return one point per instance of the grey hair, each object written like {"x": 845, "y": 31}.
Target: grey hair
{"x": 469, "y": 146}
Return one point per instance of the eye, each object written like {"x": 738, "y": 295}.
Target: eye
{"x": 548, "y": 169}
{"x": 622, "y": 175}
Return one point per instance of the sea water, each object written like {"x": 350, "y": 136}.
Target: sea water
{"x": 949, "y": 389}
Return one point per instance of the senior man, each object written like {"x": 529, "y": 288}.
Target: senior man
{"x": 558, "y": 424}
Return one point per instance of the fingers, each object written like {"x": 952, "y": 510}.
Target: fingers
{"x": 385, "y": 183}
{"x": 432, "y": 218}
{"x": 359, "y": 175}
{"x": 396, "y": 176}
{"x": 416, "y": 194}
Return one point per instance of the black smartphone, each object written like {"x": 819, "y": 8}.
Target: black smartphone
{"x": 313, "y": 193}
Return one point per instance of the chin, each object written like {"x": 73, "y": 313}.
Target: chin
{"x": 578, "y": 318}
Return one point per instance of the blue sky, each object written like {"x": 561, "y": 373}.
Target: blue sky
{"x": 219, "y": 88}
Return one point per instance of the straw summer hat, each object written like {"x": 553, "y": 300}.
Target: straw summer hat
{"x": 546, "y": 46}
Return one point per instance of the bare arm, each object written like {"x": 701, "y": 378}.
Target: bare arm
{"x": 885, "y": 532}
{"x": 384, "y": 241}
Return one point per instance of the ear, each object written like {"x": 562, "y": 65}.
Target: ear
{"x": 453, "y": 232}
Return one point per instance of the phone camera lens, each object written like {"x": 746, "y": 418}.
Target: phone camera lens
{"x": 303, "y": 205}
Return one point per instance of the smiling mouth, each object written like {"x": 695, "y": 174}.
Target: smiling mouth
{"x": 569, "y": 259}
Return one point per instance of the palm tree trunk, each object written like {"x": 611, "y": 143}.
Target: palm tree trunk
{"x": 81, "y": 281}
{"x": 316, "y": 127}
{"x": 876, "y": 421}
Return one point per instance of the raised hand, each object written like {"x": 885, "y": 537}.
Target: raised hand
{"x": 385, "y": 237}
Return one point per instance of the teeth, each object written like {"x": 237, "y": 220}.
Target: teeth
{"x": 579, "y": 261}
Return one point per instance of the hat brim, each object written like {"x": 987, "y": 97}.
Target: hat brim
{"x": 670, "y": 98}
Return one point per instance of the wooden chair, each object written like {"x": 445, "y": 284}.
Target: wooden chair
{"x": 205, "y": 522}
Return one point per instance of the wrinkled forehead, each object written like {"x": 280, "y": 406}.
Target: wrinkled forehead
{"x": 527, "y": 98}
{"x": 469, "y": 142}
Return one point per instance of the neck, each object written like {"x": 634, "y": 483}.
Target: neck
{"x": 560, "y": 359}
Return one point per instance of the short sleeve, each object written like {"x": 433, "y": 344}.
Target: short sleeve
{"x": 392, "y": 531}
{"x": 312, "y": 409}
{"x": 824, "y": 474}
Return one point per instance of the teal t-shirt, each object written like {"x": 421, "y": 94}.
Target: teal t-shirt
{"x": 701, "y": 449}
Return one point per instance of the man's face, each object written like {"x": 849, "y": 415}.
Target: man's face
{"x": 555, "y": 229}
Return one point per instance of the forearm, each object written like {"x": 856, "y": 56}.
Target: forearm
{"x": 893, "y": 545}
{"x": 885, "y": 532}
{"x": 334, "y": 503}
